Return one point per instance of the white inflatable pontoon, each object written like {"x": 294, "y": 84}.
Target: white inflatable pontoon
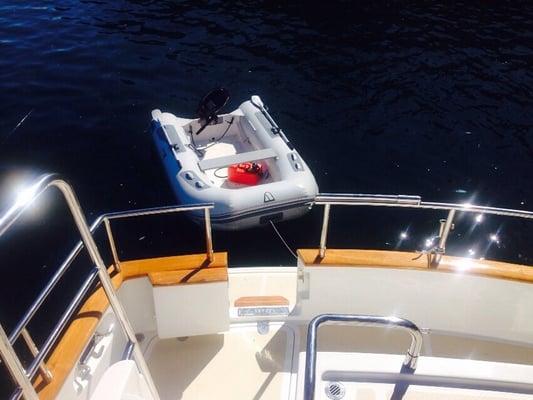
{"x": 196, "y": 156}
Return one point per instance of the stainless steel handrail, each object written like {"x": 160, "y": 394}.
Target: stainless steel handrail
{"x": 24, "y": 200}
{"x": 411, "y": 357}
{"x": 205, "y": 207}
{"x": 413, "y": 202}
{"x": 34, "y": 307}
{"x": 46, "y": 181}
{"x": 403, "y": 201}
{"x": 37, "y": 303}
{"x": 22, "y": 378}
{"x": 112, "y": 245}
{"x": 11, "y": 216}
{"x": 15, "y": 368}
{"x": 45, "y": 372}
{"x": 63, "y": 320}
{"x": 366, "y": 199}
{"x": 128, "y": 350}
{"x": 157, "y": 210}
{"x": 107, "y": 285}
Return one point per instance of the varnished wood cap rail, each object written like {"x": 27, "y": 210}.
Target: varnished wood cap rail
{"x": 137, "y": 268}
{"x": 354, "y": 258}
{"x": 411, "y": 260}
{"x": 67, "y": 351}
{"x": 188, "y": 276}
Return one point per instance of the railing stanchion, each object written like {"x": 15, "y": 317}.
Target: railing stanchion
{"x": 45, "y": 372}
{"x": 324, "y": 233}
{"x": 15, "y": 368}
{"x": 444, "y": 232}
{"x": 208, "y": 234}
{"x": 112, "y": 245}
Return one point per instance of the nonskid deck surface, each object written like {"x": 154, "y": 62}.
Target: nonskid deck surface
{"x": 258, "y": 361}
{"x": 240, "y": 364}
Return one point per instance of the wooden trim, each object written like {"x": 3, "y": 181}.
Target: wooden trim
{"x": 137, "y": 268}
{"x": 188, "y": 276}
{"x": 73, "y": 341}
{"x": 488, "y": 268}
{"x": 353, "y": 258}
{"x": 261, "y": 301}
{"x": 68, "y": 350}
{"x": 411, "y": 260}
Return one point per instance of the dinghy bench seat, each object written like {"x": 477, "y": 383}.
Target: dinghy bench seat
{"x": 191, "y": 302}
{"x": 226, "y": 161}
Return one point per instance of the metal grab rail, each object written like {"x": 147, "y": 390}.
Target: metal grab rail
{"x": 409, "y": 363}
{"x": 22, "y": 377}
{"x": 37, "y": 303}
{"x": 10, "y": 217}
{"x": 413, "y": 202}
{"x": 403, "y": 201}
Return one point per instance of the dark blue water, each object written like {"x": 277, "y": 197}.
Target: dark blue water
{"x": 434, "y": 100}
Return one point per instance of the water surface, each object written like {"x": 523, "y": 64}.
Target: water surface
{"x": 392, "y": 98}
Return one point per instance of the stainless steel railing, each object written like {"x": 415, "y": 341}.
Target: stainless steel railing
{"x": 79, "y": 247}
{"x": 409, "y": 363}
{"x": 24, "y": 376}
{"x": 414, "y": 202}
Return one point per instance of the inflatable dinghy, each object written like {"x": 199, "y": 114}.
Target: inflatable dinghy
{"x": 241, "y": 161}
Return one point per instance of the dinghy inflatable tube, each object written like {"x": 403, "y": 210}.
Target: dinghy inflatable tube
{"x": 197, "y": 166}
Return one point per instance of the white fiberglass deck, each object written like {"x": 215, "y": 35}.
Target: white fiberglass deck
{"x": 248, "y": 362}
{"x": 240, "y": 364}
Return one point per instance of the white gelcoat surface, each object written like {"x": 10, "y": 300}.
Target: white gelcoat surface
{"x": 461, "y": 304}
{"x": 122, "y": 381}
{"x": 187, "y": 310}
{"x": 137, "y": 297}
{"x": 446, "y": 303}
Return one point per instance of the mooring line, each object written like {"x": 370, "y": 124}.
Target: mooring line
{"x": 283, "y": 240}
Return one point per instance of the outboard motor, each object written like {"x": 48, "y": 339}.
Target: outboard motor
{"x": 210, "y": 105}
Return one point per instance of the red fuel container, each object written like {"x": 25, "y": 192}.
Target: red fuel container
{"x": 246, "y": 173}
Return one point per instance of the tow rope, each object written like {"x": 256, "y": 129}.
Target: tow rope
{"x": 283, "y": 240}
